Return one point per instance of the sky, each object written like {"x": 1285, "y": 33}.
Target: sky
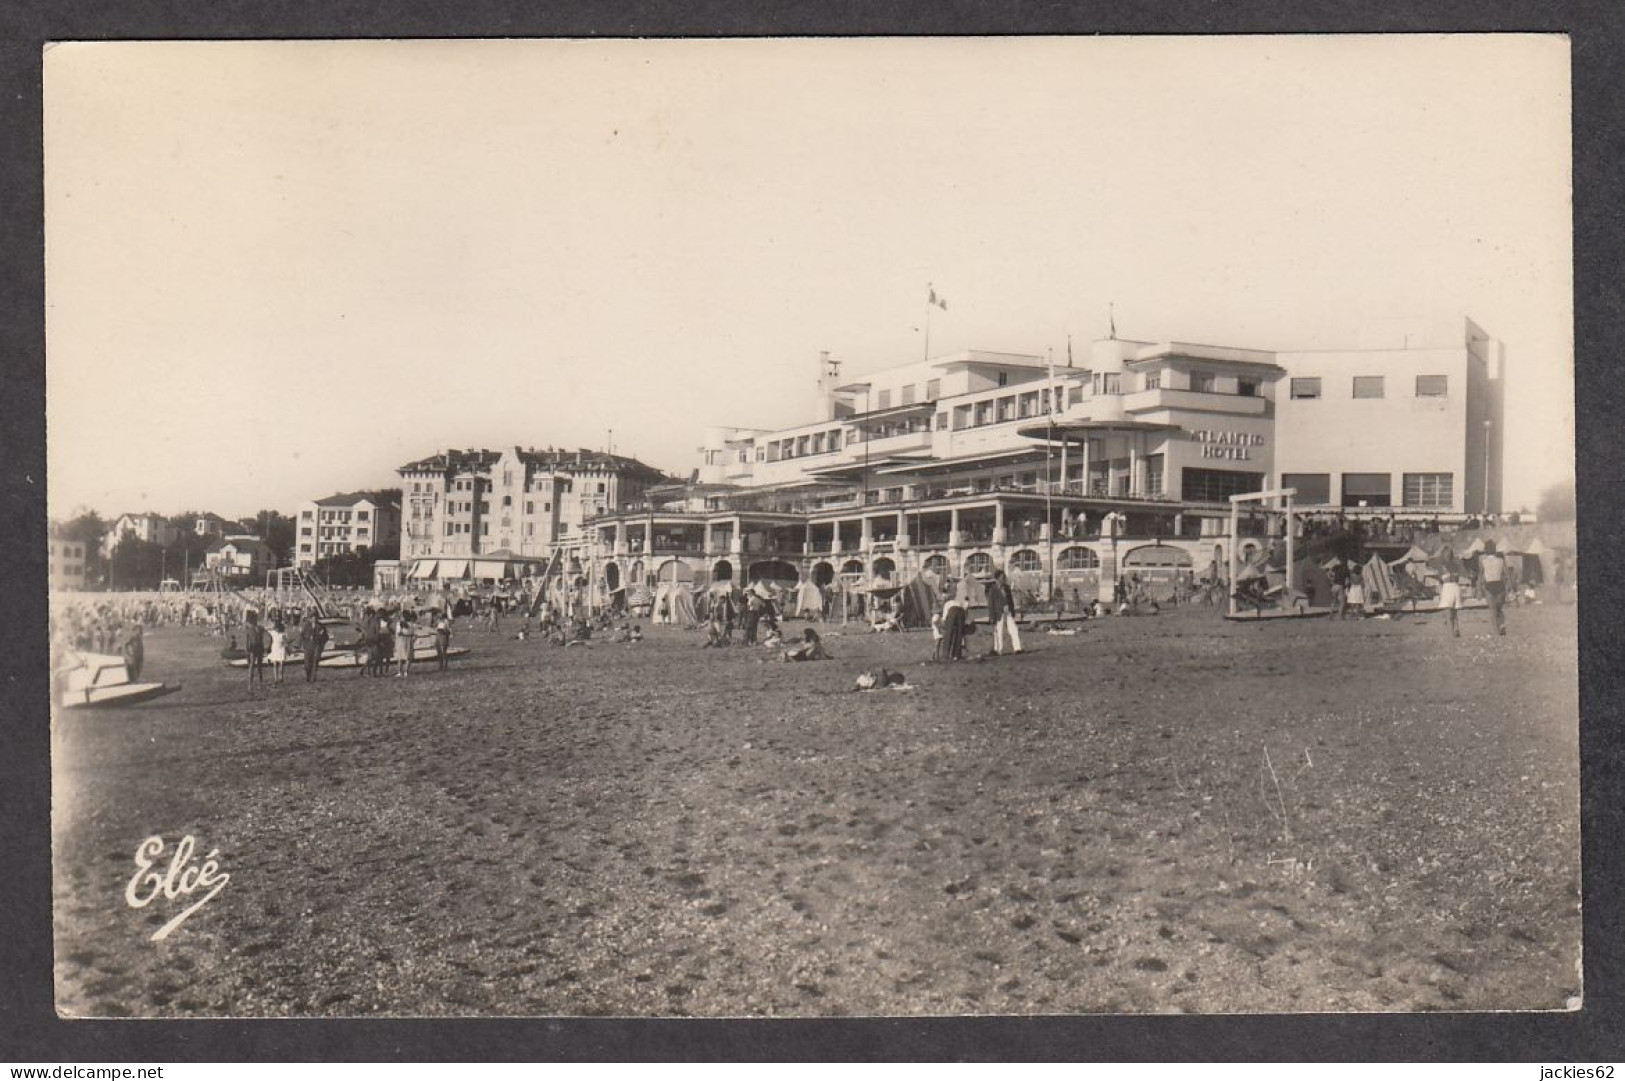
{"x": 277, "y": 270}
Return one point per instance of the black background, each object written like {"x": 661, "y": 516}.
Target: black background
{"x": 29, "y": 1028}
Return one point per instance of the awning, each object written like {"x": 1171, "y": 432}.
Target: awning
{"x": 424, "y": 568}
{"x": 490, "y": 568}
{"x": 1075, "y": 431}
{"x": 454, "y": 568}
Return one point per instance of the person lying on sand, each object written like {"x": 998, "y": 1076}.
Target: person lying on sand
{"x": 878, "y": 679}
{"x": 810, "y": 649}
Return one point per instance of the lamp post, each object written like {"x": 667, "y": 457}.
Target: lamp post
{"x": 1489, "y": 425}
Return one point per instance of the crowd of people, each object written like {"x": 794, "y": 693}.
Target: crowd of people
{"x": 391, "y": 633}
{"x": 1397, "y": 526}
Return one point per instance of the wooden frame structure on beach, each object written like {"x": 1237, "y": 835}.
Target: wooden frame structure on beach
{"x": 1285, "y": 494}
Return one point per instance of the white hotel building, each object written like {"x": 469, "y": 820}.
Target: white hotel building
{"x": 1126, "y": 461}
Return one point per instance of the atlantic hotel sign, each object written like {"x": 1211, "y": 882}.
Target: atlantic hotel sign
{"x": 1231, "y": 446}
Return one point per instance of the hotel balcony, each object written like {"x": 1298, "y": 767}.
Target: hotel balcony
{"x": 1143, "y": 401}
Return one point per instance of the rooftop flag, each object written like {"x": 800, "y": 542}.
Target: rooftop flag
{"x": 932, "y": 298}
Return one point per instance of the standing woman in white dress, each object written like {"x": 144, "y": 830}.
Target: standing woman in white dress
{"x": 278, "y": 653}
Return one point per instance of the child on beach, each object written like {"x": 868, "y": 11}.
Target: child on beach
{"x": 810, "y": 649}
{"x": 442, "y": 639}
{"x": 405, "y": 641}
{"x": 278, "y": 653}
{"x": 1354, "y": 599}
{"x": 1450, "y": 601}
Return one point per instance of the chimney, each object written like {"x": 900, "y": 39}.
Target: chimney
{"x": 829, "y": 377}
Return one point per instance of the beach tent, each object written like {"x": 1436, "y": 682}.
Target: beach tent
{"x": 1415, "y": 555}
{"x": 1378, "y": 582}
{"x": 1407, "y": 587}
{"x": 809, "y": 600}
{"x": 1314, "y": 583}
{"x": 973, "y": 591}
{"x": 1443, "y": 560}
{"x": 1254, "y": 567}
{"x": 919, "y": 602}
{"x": 674, "y": 604}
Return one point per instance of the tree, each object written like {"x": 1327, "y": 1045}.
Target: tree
{"x": 346, "y": 568}
{"x": 277, "y": 531}
{"x": 1557, "y": 503}
{"x": 137, "y": 564}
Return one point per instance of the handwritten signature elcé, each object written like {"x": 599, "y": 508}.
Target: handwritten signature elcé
{"x": 181, "y": 879}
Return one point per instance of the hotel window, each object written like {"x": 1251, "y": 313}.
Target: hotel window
{"x": 1314, "y": 489}
{"x": 1432, "y": 386}
{"x": 1366, "y": 490}
{"x": 1007, "y": 409}
{"x": 1153, "y": 475}
{"x": 908, "y": 394}
{"x": 883, "y": 400}
{"x": 1247, "y": 388}
{"x": 962, "y": 417}
{"x": 530, "y": 507}
{"x": 1109, "y": 383}
{"x": 1368, "y": 386}
{"x": 942, "y": 421}
{"x": 1004, "y": 378}
{"x": 933, "y": 389}
{"x": 1027, "y": 404}
{"x": 1202, "y": 382}
{"x": 1306, "y": 387}
{"x": 1025, "y": 560}
{"x": 1429, "y": 489}
{"x": 1153, "y": 380}
{"x": 1074, "y": 395}
{"x": 1217, "y": 485}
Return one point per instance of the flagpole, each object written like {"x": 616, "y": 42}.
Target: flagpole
{"x": 1049, "y": 486}
{"x": 928, "y": 307}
